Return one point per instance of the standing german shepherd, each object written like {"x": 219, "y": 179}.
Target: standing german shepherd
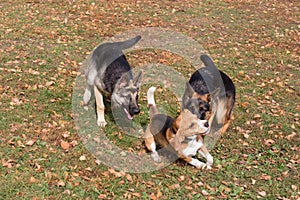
{"x": 109, "y": 72}
{"x": 197, "y": 98}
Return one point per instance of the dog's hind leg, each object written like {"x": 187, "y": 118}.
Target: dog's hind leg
{"x": 229, "y": 116}
{"x": 226, "y": 124}
{"x": 100, "y": 107}
{"x": 87, "y": 96}
{"x": 151, "y": 146}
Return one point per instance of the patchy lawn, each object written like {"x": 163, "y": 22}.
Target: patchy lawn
{"x": 44, "y": 45}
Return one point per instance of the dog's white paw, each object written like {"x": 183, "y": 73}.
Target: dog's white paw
{"x": 101, "y": 123}
{"x": 208, "y": 167}
{"x": 155, "y": 157}
{"x": 197, "y": 163}
{"x": 200, "y": 165}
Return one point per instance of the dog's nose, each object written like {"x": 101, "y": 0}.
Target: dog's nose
{"x": 136, "y": 111}
{"x": 206, "y": 124}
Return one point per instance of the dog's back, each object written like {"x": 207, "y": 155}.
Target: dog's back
{"x": 107, "y": 64}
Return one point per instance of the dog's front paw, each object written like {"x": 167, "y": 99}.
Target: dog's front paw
{"x": 197, "y": 163}
{"x": 101, "y": 123}
{"x": 200, "y": 165}
{"x": 155, "y": 157}
{"x": 208, "y": 167}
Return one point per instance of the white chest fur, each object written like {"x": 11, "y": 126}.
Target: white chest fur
{"x": 192, "y": 147}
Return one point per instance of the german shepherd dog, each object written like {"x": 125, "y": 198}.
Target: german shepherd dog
{"x": 197, "y": 98}
{"x": 109, "y": 72}
{"x": 182, "y": 136}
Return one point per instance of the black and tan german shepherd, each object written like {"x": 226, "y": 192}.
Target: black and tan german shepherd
{"x": 109, "y": 72}
{"x": 197, "y": 97}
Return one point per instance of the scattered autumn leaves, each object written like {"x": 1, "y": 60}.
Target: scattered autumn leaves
{"x": 256, "y": 43}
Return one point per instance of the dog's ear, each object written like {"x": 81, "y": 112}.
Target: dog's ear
{"x": 123, "y": 81}
{"x": 138, "y": 80}
{"x": 188, "y": 93}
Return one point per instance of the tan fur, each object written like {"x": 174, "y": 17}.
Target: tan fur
{"x": 223, "y": 113}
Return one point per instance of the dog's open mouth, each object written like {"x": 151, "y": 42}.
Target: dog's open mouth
{"x": 129, "y": 116}
{"x": 206, "y": 132}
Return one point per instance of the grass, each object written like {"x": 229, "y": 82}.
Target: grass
{"x": 44, "y": 45}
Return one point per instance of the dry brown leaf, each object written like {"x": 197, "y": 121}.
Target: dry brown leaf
{"x": 102, "y": 196}
{"x": 30, "y": 142}
{"x": 268, "y": 142}
{"x": 265, "y": 177}
{"x": 289, "y": 137}
{"x": 158, "y": 193}
{"x": 245, "y": 104}
{"x": 128, "y": 177}
{"x": 188, "y": 187}
{"x": 82, "y": 158}
{"x": 61, "y": 183}
{"x": 32, "y": 180}
{"x": 174, "y": 186}
{"x": 262, "y": 193}
{"x": 204, "y": 192}
{"x": 65, "y": 145}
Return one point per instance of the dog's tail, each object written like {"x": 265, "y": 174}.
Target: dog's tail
{"x": 151, "y": 102}
{"x": 207, "y": 61}
{"x": 128, "y": 43}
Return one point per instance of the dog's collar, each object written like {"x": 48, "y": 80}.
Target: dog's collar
{"x": 187, "y": 140}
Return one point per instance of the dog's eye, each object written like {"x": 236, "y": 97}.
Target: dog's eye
{"x": 192, "y": 125}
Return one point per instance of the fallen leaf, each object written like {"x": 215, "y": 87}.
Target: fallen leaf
{"x": 200, "y": 183}
{"x": 268, "y": 142}
{"x": 158, "y": 193}
{"x": 128, "y": 177}
{"x": 181, "y": 178}
{"x": 174, "y": 186}
{"x": 289, "y": 137}
{"x": 204, "y": 192}
{"x": 82, "y": 158}
{"x": 245, "y": 104}
{"x": 116, "y": 174}
{"x": 102, "y": 196}
{"x": 266, "y": 177}
{"x": 61, "y": 183}
{"x": 32, "y": 180}
{"x": 49, "y": 83}
{"x": 30, "y": 142}
{"x": 65, "y": 145}
{"x": 295, "y": 187}
{"x": 136, "y": 194}
{"x": 188, "y": 187}
{"x": 262, "y": 193}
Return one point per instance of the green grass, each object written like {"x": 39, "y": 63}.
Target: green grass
{"x": 43, "y": 46}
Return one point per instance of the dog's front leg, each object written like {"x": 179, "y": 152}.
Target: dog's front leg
{"x": 193, "y": 161}
{"x": 100, "y": 107}
{"x": 209, "y": 159}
